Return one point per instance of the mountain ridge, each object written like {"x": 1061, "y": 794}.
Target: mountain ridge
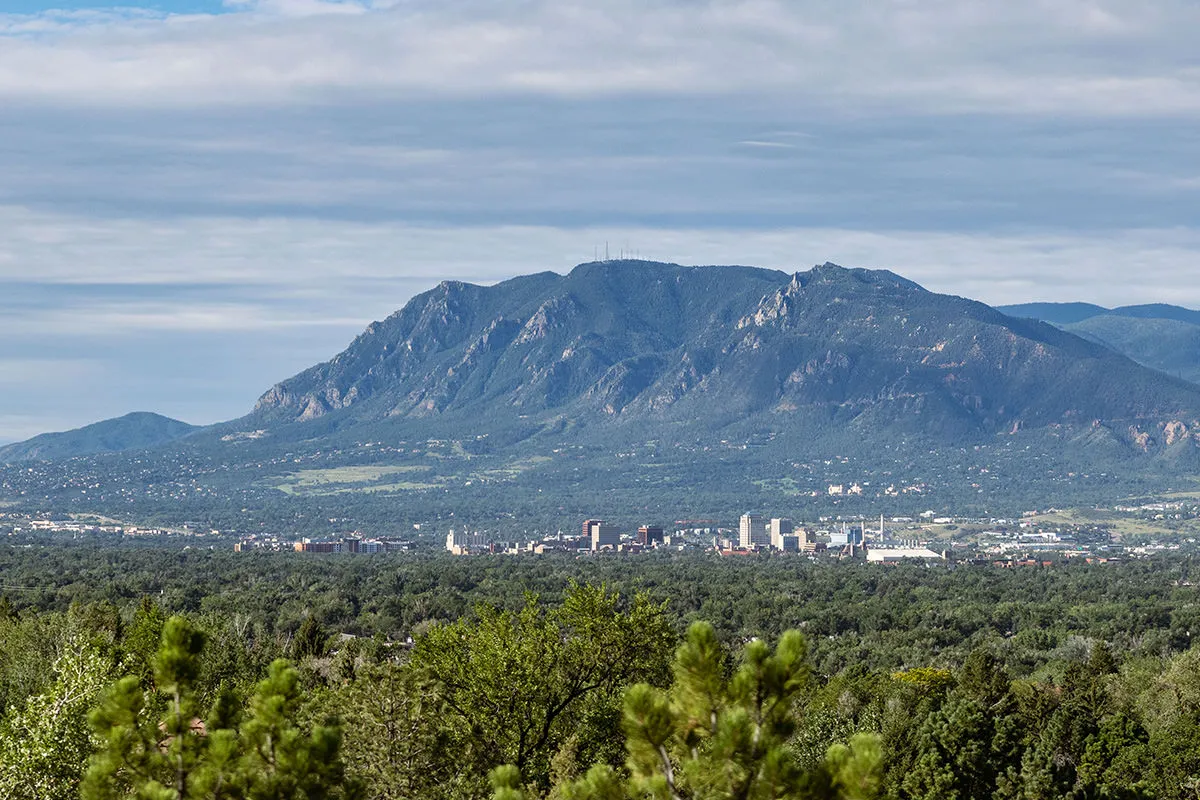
{"x": 136, "y": 430}
{"x": 1157, "y": 335}
{"x": 662, "y": 343}
{"x": 625, "y": 387}
{"x": 624, "y": 348}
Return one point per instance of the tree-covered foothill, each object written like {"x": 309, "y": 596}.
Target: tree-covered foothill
{"x": 149, "y": 673}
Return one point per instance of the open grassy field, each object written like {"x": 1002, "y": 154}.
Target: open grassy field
{"x": 1121, "y": 524}
{"x": 339, "y": 480}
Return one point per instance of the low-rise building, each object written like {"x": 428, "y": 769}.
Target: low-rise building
{"x": 892, "y": 555}
{"x": 462, "y": 543}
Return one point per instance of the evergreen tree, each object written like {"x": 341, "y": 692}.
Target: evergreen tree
{"x": 707, "y": 738}
{"x": 155, "y": 747}
{"x": 278, "y": 760}
{"x": 396, "y": 742}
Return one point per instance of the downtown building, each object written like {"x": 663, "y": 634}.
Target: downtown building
{"x": 601, "y": 534}
{"x": 753, "y": 532}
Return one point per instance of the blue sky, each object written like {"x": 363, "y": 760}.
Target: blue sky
{"x": 166, "y": 6}
{"x": 200, "y": 199}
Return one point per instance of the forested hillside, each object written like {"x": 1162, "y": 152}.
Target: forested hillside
{"x": 1161, "y": 336}
{"x": 131, "y": 432}
{"x": 419, "y": 676}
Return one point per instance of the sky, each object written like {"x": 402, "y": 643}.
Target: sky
{"x": 200, "y": 198}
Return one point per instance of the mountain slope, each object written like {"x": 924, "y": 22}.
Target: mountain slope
{"x": 1169, "y": 345}
{"x": 1054, "y": 313}
{"x": 131, "y": 432}
{"x": 637, "y": 345}
{"x": 648, "y": 391}
{"x": 1157, "y": 335}
{"x": 530, "y": 344}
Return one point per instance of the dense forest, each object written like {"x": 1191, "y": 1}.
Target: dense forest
{"x": 149, "y": 672}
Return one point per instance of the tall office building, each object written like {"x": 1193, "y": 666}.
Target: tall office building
{"x": 602, "y": 534}
{"x": 851, "y": 536}
{"x": 779, "y": 529}
{"x": 650, "y": 534}
{"x": 753, "y": 532}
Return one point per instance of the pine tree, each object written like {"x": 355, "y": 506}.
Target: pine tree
{"x": 708, "y": 738}
{"x": 278, "y": 759}
{"x": 156, "y": 748}
{"x": 152, "y": 743}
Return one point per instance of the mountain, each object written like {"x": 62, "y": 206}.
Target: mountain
{"x": 1158, "y": 311}
{"x": 642, "y": 390}
{"x": 633, "y": 346}
{"x": 1164, "y": 344}
{"x": 1157, "y": 335}
{"x": 1054, "y": 313}
{"x": 1072, "y": 313}
{"x": 133, "y": 431}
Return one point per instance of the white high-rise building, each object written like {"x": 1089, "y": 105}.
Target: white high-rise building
{"x": 463, "y": 542}
{"x": 779, "y": 528}
{"x": 753, "y": 532}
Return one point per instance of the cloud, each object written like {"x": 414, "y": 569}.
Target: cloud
{"x": 202, "y": 204}
{"x": 50, "y": 373}
{"x": 672, "y": 162}
{"x": 138, "y": 318}
{"x": 233, "y": 274}
{"x": 303, "y": 8}
{"x": 1027, "y": 56}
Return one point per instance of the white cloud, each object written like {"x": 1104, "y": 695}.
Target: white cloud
{"x": 1027, "y": 56}
{"x": 141, "y": 318}
{"x": 338, "y": 273}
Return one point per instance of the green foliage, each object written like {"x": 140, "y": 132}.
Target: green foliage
{"x": 926, "y": 681}
{"x": 1075, "y": 682}
{"x": 396, "y": 743}
{"x": 44, "y": 745}
{"x": 517, "y": 684}
{"x": 142, "y": 639}
{"x": 278, "y": 759}
{"x": 155, "y": 747}
{"x": 310, "y": 641}
{"x": 708, "y": 737}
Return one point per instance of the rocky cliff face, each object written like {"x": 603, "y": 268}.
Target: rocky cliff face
{"x": 646, "y": 344}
